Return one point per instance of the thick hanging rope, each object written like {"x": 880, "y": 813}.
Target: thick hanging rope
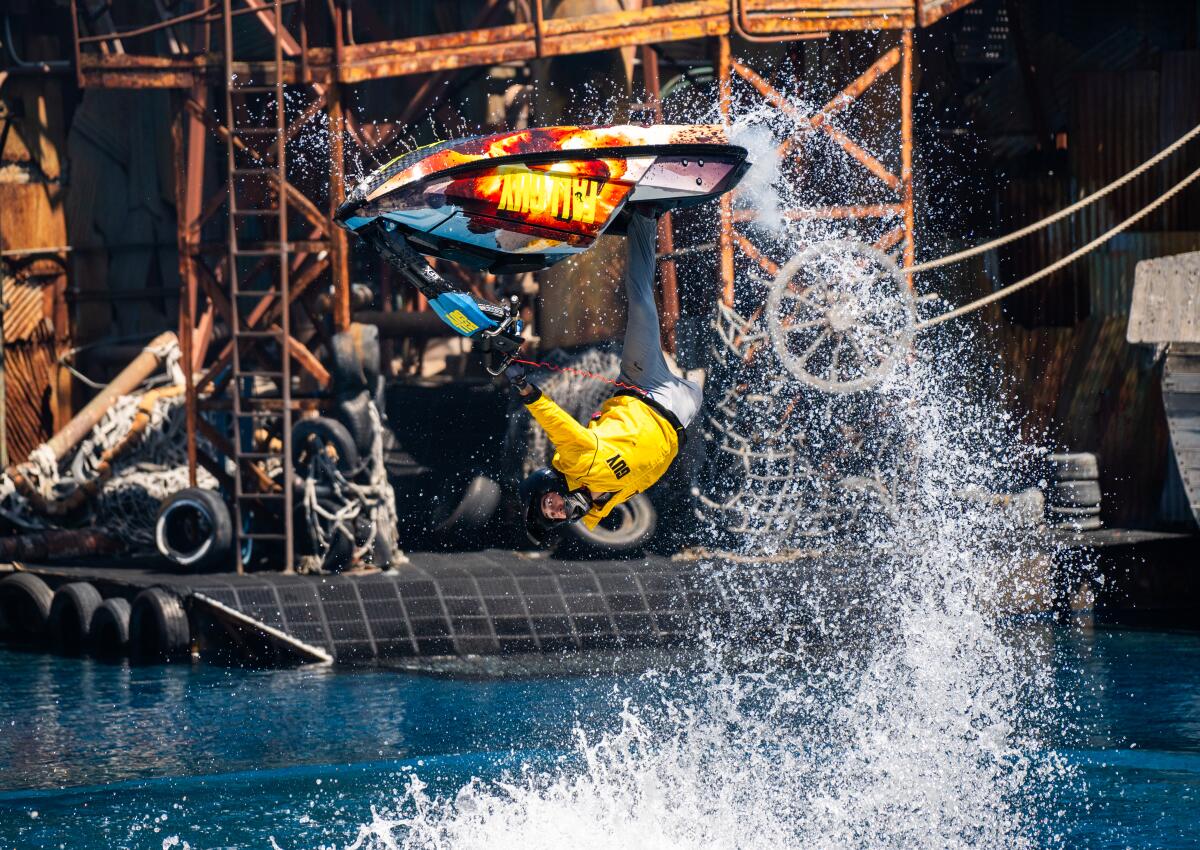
{"x": 1065, "y": 261}
{"x": 1061, "y": 214}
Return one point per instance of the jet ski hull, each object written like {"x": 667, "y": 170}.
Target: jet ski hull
{"x": 526, "y": 199}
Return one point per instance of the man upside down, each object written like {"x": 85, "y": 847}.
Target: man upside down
{"x": 631, "y": 442}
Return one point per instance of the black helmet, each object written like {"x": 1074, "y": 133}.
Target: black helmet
{"x": 538, "y": 484}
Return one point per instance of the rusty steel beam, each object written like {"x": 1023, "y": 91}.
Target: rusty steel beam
{"x": 857, "y": 152}
{"x": 187, "y": 191}
{"x": 339, "y": 248}
{"x": 48, "y": 545}
{"x": 517, "y": 42}
{"x": 906, "y": 153}
{"x": 771, "y": 94}
{"x": 748, "y": 248}
{"x": 890, "y": 239}
{"x": 836, "y": 213}
{"x": 724, "y": 69}
{"x": 932, "y": 11}
{"x": 353, "y": 63}
{"x": 822, "y": 22}
{"x": 774, "y": 97}
{"x": 854, "y": 91}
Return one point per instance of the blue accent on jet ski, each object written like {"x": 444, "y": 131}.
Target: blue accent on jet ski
{"x": 459, "y": 311}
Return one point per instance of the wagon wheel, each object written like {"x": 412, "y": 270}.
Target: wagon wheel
{"x": 840, "y": 314}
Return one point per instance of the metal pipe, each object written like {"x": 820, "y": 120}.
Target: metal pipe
{"x": 139, "y": 369}
{"x": 539, "y": 24}
{"x": 724, "y": 106}
{"x": 405, "y": 324}
{"x": 906, "y": 151}
{"x": 46, "y": 545}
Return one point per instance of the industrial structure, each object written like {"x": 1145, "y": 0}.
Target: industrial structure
{"x": 211, "y": 143}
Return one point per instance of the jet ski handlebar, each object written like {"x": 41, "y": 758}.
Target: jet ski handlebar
{"x": 496, "y": 327}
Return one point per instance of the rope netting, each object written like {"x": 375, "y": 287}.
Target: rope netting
{"x": 131, "y": 485}
{"x": 358, "y": 508}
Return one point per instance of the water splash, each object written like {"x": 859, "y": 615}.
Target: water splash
{"x": 889, "y": 701}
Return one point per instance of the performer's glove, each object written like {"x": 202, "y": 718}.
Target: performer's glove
{"x": 516, "y": 375}
{"x": 516, "y": 378}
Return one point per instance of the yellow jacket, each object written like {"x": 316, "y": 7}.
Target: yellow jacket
{"x": 623, "y": 450}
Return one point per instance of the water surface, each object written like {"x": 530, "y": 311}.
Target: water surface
{"x": 95, "y": 755}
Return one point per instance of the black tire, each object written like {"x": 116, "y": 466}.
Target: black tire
{"x": 194, "y": 530}
{"x": 1073, "y": 494}
{"x": 25, "y": 602}
{"x": 158, "y": 627}
{"x": 355, "y": 415}
{"x": 457, "y": 517}
{"x": 1056, "y": 511}
{"x": 626, "y": 529}
{"x": 355, "y": 359}
{"x": 1081, "y": 524}
{"x": 323, "y": 435}
{"x": 108, "y": 632}
{"x": 70, "y": 617}
{"x": 1074, "y": 466}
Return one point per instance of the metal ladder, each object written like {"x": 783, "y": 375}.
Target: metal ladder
{"x": 261, "y": 383}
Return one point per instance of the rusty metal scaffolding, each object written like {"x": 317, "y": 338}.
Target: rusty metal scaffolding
{"x": 318, "y": 74}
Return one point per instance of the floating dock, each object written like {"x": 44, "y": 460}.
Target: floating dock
{"x": 507, "y": 604}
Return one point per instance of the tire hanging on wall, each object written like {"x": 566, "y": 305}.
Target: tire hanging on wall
{"x": 194, "y": 529}
{"x": 158, "y": 627}
{"x": 108, "y": 632}
{"x": 25, "y": 605}
{"x": 70, "y": 618}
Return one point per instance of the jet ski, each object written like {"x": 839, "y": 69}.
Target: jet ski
{"x": 525, "y": 200}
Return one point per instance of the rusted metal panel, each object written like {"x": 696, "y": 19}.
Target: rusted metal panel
{"x": 31, "y": 218}
{"x": 1179, "y": 111}
{"x": 1062, "y": 298}
{"x": 1088, "y": 390}
{"x": 1114, "y": 128}
{"x": 29, "y": 378}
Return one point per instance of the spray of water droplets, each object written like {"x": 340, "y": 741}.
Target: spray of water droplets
{"x": 886, "y": 700}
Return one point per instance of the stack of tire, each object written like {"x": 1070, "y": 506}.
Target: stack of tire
{"x": 76, "y": 620}
{"x": 1073, "y": 491}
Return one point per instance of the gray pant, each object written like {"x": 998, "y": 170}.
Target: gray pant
{"x": 642, "y": 360}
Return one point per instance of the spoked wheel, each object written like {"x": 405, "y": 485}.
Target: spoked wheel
{"x": 840, "y": 315}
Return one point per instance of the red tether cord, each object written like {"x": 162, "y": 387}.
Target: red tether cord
{"x": 580, "y": 372}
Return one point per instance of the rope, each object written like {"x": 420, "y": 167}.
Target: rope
{"x": 1061, "y": 214}
{"x": 349, "y": 499}
{"x": 1065, "y": 261}
{"x": 583, "y": 373}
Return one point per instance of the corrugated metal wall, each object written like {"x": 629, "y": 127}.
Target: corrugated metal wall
{"x": 1083, "y": 384}
{"x": 1091, "y": 391}
{"x": 32, "y": 285}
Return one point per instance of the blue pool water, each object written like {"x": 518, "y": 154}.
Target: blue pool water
{"x": 93, "y": 755}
